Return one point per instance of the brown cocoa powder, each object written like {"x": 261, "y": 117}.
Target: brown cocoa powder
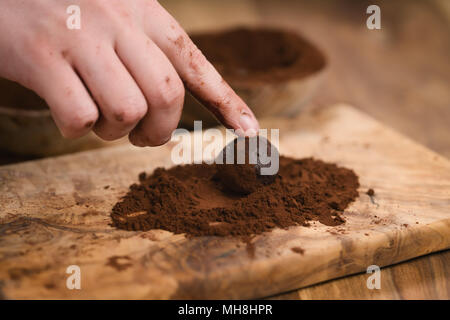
{"x": 259, "y": 55}
{"x": 190, "y": 199}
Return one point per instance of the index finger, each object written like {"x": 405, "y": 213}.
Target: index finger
{"x": 198, "y": 74}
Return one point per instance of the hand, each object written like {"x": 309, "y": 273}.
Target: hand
{"x": 121, "y": 73}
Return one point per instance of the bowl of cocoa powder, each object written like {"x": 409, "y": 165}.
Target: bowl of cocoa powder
{"x": 275, "y": 71}
{"x": 27, "y": 128}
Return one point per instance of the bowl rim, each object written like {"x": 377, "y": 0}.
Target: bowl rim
{"x": 246, "y": 83}
{"x": 12, "y": 111}
{"x": 252, "y": 85}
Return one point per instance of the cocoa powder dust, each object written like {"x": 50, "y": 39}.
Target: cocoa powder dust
{"x": 191, "y": 199}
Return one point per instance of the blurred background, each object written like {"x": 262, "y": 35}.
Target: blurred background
{"x": 400, "y": 74}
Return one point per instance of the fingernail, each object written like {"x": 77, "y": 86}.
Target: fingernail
{"x": 248, "y": 122}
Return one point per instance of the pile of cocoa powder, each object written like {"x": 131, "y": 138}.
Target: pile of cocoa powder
{"x": 259, "y": 55}
{"x": 191, "y": 199}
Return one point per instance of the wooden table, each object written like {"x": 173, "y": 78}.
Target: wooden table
{"x": 399, "y": 75}
{"x": 56, "y": 212}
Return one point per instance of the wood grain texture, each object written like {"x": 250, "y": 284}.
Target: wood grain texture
{"x": 399, "y": 75}
{"x": 426, "y": 277}
{"x": 414, "y": 100}
{"x": 55, "y": 213}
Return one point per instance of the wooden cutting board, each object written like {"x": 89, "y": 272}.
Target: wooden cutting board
{"x": 55, "y": 213}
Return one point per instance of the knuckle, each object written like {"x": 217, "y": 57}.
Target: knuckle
{"x": 37, "y": 51}
{"x": 119, "y": 13}
{"x": 169, "y": 95}
{"x": 131, "y": 110}
{"x": 42, "y": 51}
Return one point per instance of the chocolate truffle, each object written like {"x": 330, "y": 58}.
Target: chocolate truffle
{"x": 247, "y": 167}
